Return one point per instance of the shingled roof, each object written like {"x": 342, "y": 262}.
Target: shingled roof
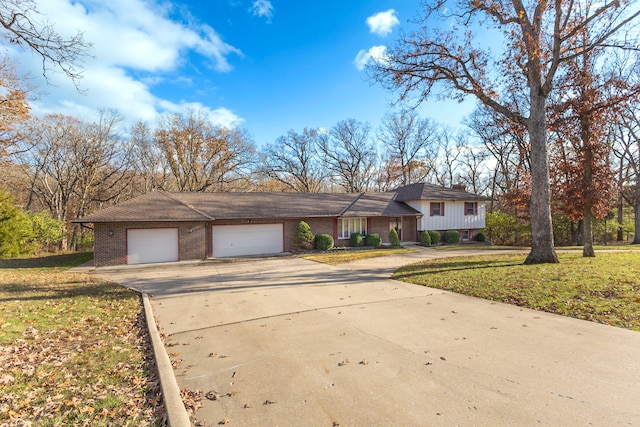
{"x": 163, "y": 206}
{"x": 423, "y": 191}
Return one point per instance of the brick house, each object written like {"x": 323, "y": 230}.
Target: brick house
{"x": 173, "y": 226}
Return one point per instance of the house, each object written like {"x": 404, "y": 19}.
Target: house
{"x": 173, "y": 226}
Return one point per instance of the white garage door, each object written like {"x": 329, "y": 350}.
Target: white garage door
{"x": 250, "y": 239}
{"x": 152, "y": 245}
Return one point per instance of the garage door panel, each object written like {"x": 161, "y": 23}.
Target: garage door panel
{"x": 248, "y": 239}
{"x": 145, "y": 246}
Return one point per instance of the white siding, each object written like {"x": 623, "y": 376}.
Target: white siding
{"x": 453, "y": 219}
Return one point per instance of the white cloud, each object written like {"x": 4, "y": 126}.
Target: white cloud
{"x": 375, "y": 53}
{"x": 137, "y": 46}
{"x": 382, "y": 23}
{"x": 262, "y": 8}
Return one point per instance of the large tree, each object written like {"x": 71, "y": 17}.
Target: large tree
{"x": 538, "y": 39}
{"x": 410, "y": 145}
{"x": 293, "y": 161}
{"x": 200, "y": 155}
{"x": 349, "y": 155}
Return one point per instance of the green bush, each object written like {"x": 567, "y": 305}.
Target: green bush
{"x": 425, "y": 238}
{"x": 303, "y": 239}
{"x": 435, "y": 237}
{"x": 451, "y": 236}
{"x": 355, "y": 240}
{"x": 480, "y": 237}
{"x": 373, "y": 239}
{"x": 323, "y": 242}
{"x": 393, "y": 238}
{"x": 16, "y": 232}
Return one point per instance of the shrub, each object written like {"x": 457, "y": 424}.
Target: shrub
{"x": 373, "y": 239}
{"x": 355, "y": 240}
{"x": 323, "y": 242}
{"x": 451, "y": 236}
{"x": 303, "y": 239}
{"x": 425, "y": 238}
{"x": 435, "y": 237}
{"x": 480, "y": 237}
{"x": 393, "y": 238}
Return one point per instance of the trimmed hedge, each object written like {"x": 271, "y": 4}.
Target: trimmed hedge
{"x": 435, "y": 237}
{"x": 355, "y": 240}
{"x": 323, "y": 242}
{"x": 425, "y": 238}
{"x": 480, "y": 237}
{"x": 373, "y": 239}
{"x": 393, "y": 238}
{"x": 303, "y": 239}
{"x": 451, "y": 236}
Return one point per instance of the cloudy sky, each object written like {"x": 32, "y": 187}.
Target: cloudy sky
{"x": 265, "y": 65}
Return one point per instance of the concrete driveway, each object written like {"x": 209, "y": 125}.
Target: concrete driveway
{"x": 285, "y": 341}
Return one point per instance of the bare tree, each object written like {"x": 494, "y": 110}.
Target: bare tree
{"x": 350, "y": 155}
{"x": 627, "y": 149}
{"x": 293, "y": 161}
{"x": 21, "y": 24}
{"x": 74, "y": 166}
{"x": 200, "y": 155}
{"x": 410, "y": 144}
{"x": 539, "y": 38}
{"x": 447, "y": 164}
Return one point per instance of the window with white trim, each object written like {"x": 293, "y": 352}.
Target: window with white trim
{"x": 466, "y": 235}
{"x": 348, "y": 226}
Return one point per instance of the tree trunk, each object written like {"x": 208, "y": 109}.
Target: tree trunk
{"x": 542, "y": 250}
{"x": 620, "y": 236}
{"x": 580, "y": 241}
{"x": 636, "y": 218}
{"x": 587, "y": 248}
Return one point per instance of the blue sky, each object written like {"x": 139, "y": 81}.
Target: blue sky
{"x": 264, "y": 65}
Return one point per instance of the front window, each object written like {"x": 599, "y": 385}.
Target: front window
{"x": 437, "y": 208}
{"x": 466, "y": 235}
{"x": 348, "y": 226}
{"x": 471, "y": 208}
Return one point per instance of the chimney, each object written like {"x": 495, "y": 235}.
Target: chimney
{"x": 460, "y": 187}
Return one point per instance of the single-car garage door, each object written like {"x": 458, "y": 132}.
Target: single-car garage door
{"x": 152, "y": 245}
{"x": 249, "y": 239}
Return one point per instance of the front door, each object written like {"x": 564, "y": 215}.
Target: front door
{"x": 396, "y": 224}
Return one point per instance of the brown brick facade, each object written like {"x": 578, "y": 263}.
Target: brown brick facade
{"x": 194, "y": 238}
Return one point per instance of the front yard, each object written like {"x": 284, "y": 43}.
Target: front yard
{"x": 73, "y": 349}
{"x": 604, "y": 289}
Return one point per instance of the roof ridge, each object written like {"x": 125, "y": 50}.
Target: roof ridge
{"x": 343, "y": 211}
{"x": 185, "y": 204}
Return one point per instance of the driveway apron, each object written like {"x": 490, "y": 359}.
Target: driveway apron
{"x": 285, "y": 341}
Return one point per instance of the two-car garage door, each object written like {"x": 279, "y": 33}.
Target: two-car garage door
{"x": 247, "y": 239}
{"x": 145, "y": 246}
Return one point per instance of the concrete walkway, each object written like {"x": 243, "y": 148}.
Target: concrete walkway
{"x": 286, "y": 341}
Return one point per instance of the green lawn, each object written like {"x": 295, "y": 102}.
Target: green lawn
{"x": 73, "y": 349}
{"x": 340, "y": 257}
{"x": 604, "y": 289}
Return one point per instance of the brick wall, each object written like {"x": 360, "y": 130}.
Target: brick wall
{"x": 110, "y": 247}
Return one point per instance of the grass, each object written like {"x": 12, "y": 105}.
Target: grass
{"x": 341, "y": 257}
{"x": 604, "y": 289}
{"x": 73, "y": 349}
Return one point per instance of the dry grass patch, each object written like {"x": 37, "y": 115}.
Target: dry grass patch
{"x": 604, "y": 289}
{"x": 73, "y": 349}
{"x": 340, "y": 257}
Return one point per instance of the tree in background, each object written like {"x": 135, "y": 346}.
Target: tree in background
{"x": 74, "y": 166}
{"x": 627, "y": 149}
{"x": 293, "y": 161}
{"x": 14, "y": 108}
{"x": 538, "y": 40}
{"x": 200, "y": 155}
{"x": 410, "y": 147}
{"x": 349, "y": 155}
